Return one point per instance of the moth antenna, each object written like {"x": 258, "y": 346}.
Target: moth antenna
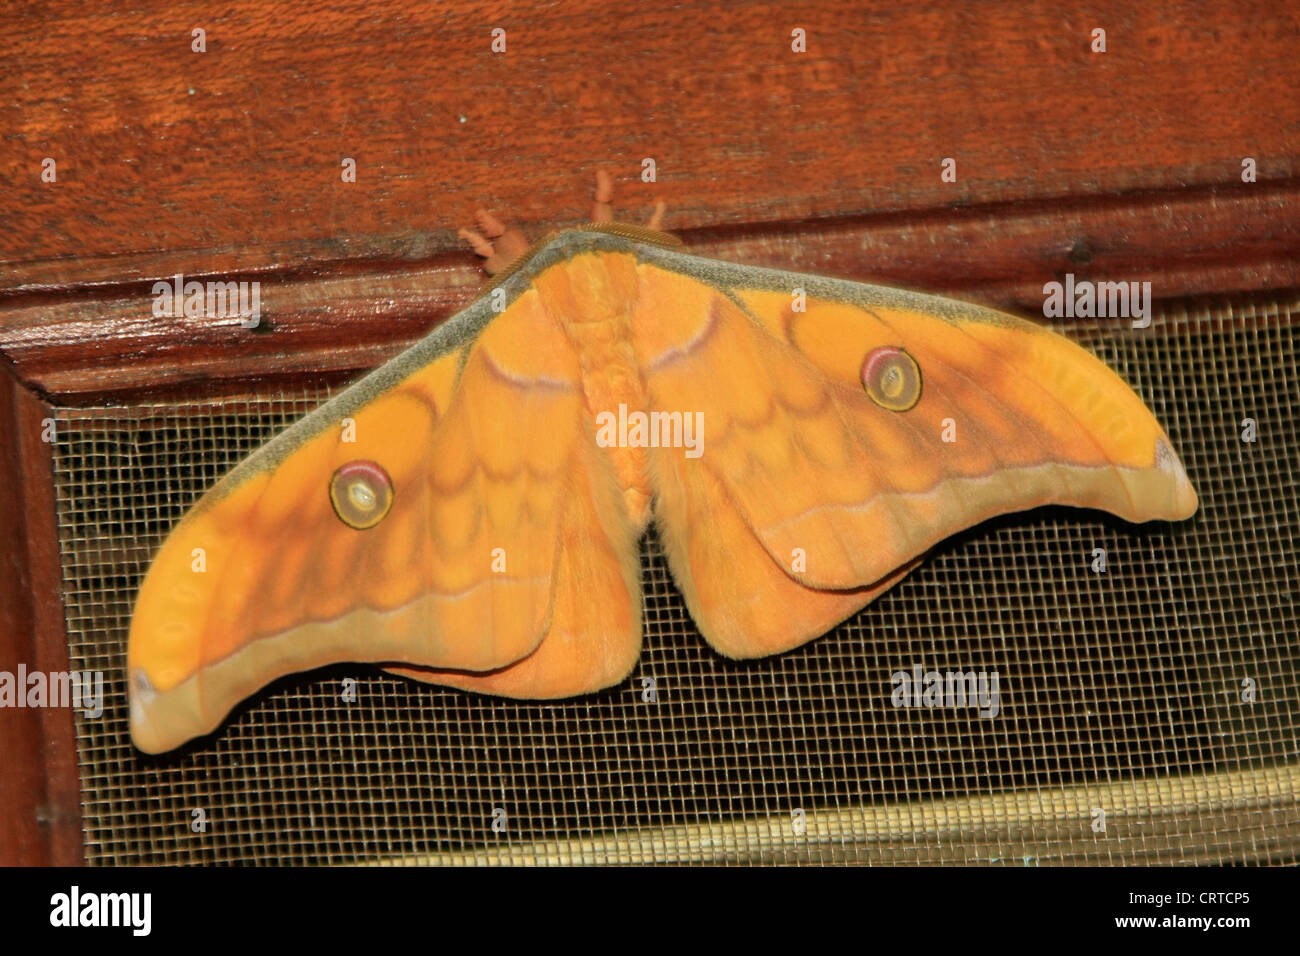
{"x": 657, "y": 216}
{"x": 603, "y": 209}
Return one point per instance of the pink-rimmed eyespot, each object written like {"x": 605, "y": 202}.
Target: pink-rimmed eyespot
{"x": 891, "y": 378}
{"x": 362, "y": 494}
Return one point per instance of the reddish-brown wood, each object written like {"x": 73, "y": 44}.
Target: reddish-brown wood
{"x": 229, "y": 160}
{"x": 40, "y": 795}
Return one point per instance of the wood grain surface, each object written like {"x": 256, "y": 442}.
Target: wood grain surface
{"x": 228, "y": 161}
{"x": 40, "y": 794}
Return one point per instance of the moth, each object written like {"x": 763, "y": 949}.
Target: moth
{"x": 469, "y": 514}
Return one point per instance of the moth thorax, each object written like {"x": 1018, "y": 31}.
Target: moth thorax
{"x": 601, "y": 286}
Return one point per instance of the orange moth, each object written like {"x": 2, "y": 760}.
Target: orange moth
{"x": 469, "y": 513}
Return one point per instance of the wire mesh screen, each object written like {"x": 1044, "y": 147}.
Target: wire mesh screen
{"x": 1145, "y": 714}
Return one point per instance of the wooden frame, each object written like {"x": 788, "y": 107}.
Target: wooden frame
{"x": 361, "y": 271}
{"x": 40, "y": 793}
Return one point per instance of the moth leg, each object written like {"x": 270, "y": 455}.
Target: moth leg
{"x": 657, "y": 216}
{"x": 497, "y": 244}
{"x": 602, "y": 209}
